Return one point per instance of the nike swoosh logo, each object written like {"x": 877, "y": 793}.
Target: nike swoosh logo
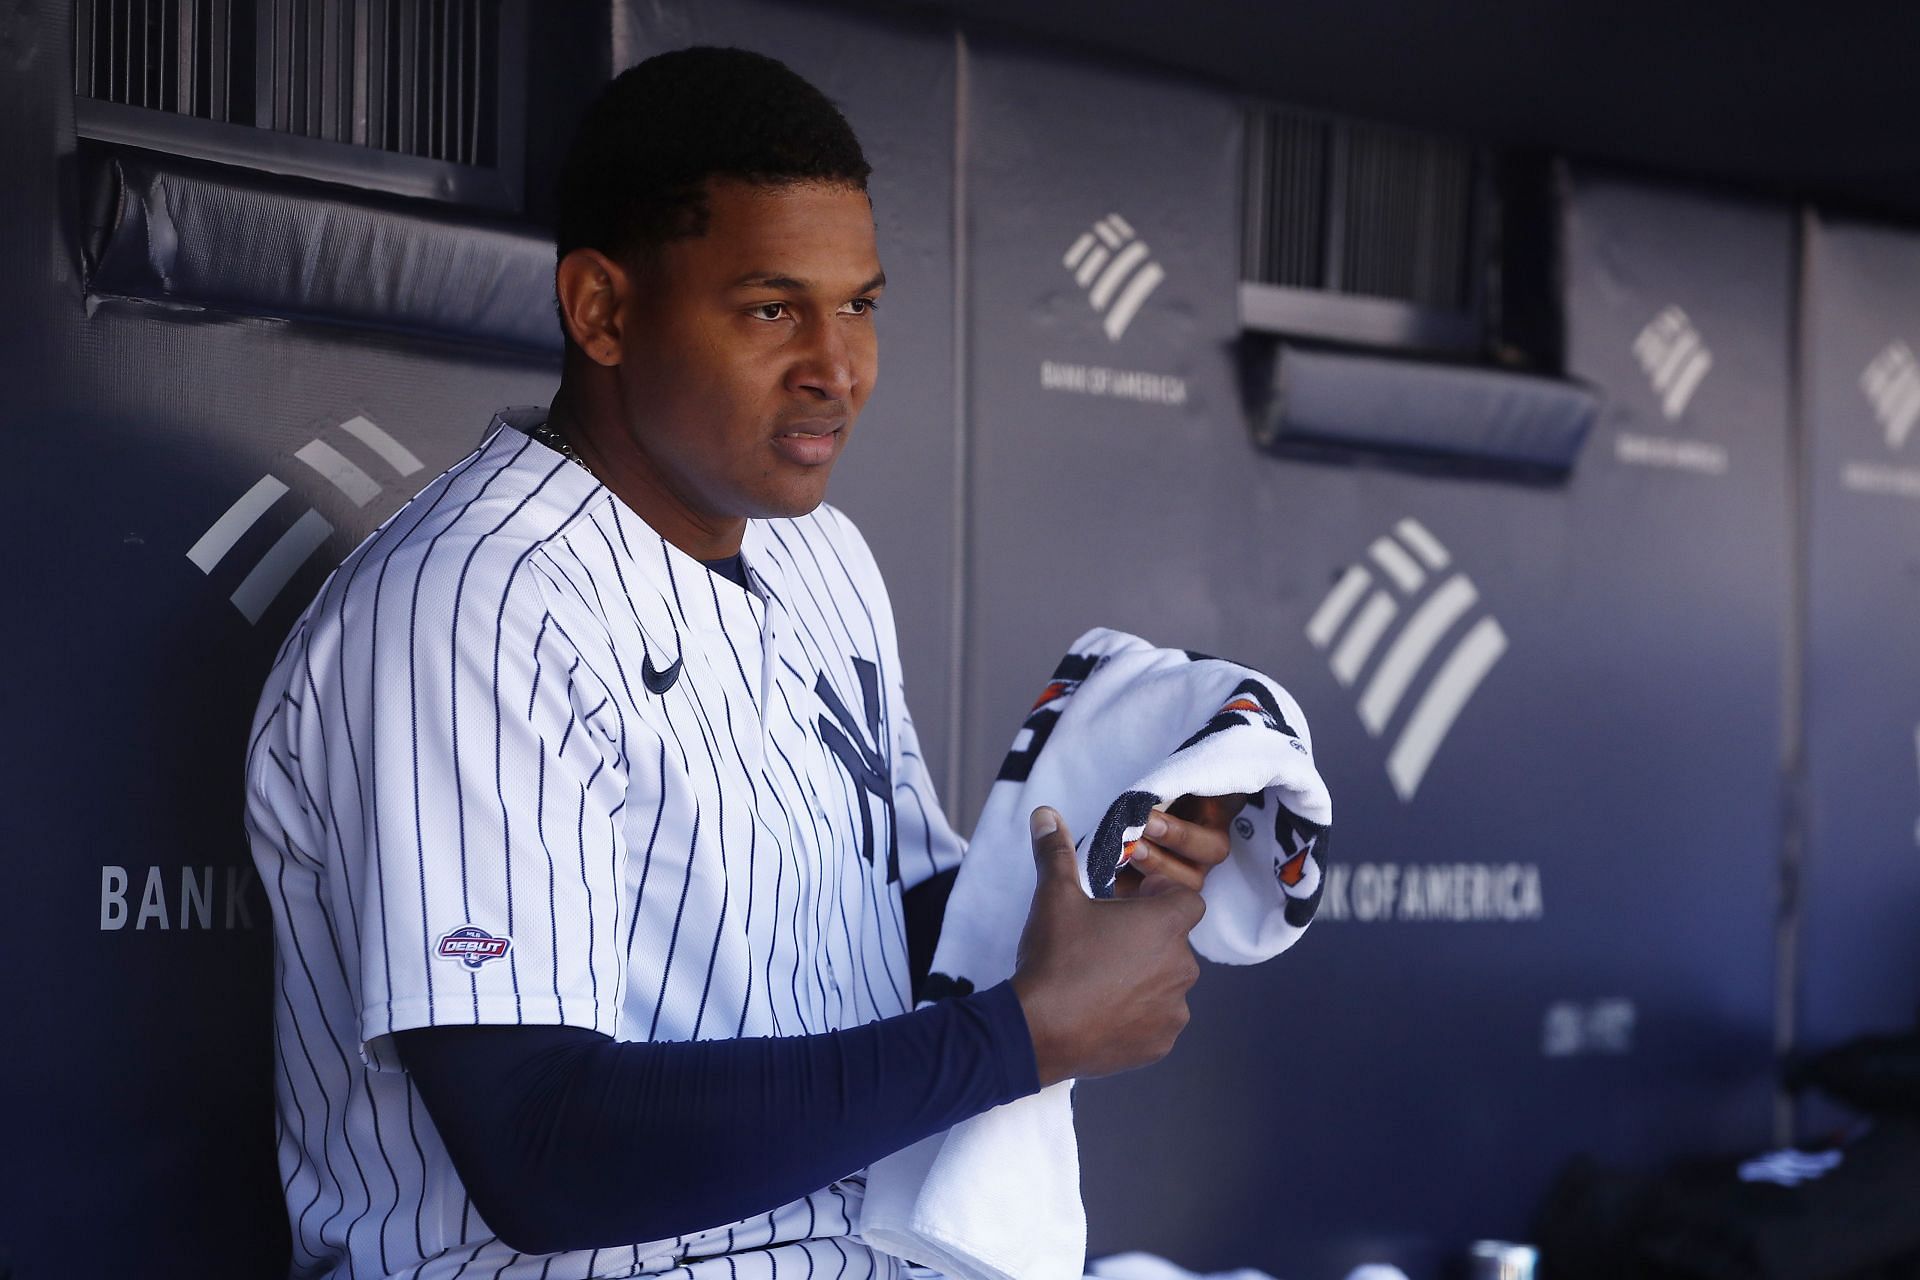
{"x": 660, "y": 681}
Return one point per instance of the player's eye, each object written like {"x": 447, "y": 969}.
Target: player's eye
{"x": 862, "y": 306}
{"x": 768, "y": 311}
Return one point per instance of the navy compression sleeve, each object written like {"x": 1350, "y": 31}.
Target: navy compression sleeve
{"x": 567, "y": 1139}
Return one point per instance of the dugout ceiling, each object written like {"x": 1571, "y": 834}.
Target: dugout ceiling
{"x": 1793, "y": 98}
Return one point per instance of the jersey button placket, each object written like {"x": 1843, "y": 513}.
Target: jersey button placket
{"x": 772, "y": 626}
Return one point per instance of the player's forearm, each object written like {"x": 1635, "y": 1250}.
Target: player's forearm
{"x": 569, "y": 1140}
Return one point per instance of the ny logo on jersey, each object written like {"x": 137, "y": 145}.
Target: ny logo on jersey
{"x": 862, "y": 756}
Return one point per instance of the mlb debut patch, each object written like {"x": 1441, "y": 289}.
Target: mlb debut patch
{"x": 471, "y": 946}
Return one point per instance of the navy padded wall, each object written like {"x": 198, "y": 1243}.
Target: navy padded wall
{"x": 1860, "y": 882}
{"x": 140, "y": 1134}
{"x": 1553, "y": 741}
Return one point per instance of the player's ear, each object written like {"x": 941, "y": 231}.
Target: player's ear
{"x": 593, "y": 289}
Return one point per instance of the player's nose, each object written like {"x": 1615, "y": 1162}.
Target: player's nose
{"x": 827, "y": 367}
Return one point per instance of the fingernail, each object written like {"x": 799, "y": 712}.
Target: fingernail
{"x": 1156, "y": 827}
{"x": 1044, "y": 821}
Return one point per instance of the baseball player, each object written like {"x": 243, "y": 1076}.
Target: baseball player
{"x": 602, "y": 857}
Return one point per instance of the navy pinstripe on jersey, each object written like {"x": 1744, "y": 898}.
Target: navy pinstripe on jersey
{"x": 469, "y": 805}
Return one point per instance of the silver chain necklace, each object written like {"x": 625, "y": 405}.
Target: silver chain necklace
{"x": 547, "y": 436}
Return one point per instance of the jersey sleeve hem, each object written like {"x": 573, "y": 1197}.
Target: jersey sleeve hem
{"x": 378, "y": 1023}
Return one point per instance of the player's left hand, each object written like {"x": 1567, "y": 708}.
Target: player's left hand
{"x": 1180, "y": 845}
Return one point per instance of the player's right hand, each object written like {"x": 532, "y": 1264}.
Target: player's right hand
{"x": 1103, "y": 984}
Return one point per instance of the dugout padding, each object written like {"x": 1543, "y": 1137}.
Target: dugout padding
{"x": 1859, "y": 969}
{"x": 1550, "y": 923}
{"x": 139, "y": 1117}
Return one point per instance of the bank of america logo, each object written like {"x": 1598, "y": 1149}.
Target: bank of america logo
{"x": 1113, "y": 265}
{"x": 270, "y": 574}
{"x": 1401, "y": 604}
{"x": 1674, "y": 358}
{"x": 1892, "y": 384}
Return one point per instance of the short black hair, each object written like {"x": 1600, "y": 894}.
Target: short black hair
{"x": 636, "y": 171}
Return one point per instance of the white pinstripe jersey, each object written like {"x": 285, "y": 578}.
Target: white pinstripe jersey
{"x": 469, "y": 804}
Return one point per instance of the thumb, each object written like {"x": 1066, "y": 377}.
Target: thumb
{"x": 1053, "y": 855}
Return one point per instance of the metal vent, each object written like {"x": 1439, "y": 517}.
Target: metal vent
{"x": 1357, "y": 209}
{"x": 417, "y": 77}
{"x": 1287, "y": 180}
{"x": 167, "y": 55}
{"x": 427, "y": 80}
{"x": 1359, "y": 232}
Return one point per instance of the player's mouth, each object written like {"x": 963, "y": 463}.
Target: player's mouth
{"x": 810, "y": 444}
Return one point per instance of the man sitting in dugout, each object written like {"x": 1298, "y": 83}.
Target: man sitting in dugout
{"x": 602, "y": 859}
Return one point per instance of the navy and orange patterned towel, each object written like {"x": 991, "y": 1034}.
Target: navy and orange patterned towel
{"x": 1121, "y": 729}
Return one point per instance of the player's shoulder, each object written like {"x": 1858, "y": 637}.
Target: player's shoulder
{"x": 510, "y": 492}
{"x": 830, "y": 534}
{"x": 480, "y": 533}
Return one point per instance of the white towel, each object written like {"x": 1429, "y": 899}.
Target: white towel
{"x": 1123, "y": 728}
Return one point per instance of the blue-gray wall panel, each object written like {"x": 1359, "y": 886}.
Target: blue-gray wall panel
{"x": 1403, "y": 1083}
{"x": 140, "y": 1123}
{"x": 1860, "y": 949}
{"x": 1087, "y": 504}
